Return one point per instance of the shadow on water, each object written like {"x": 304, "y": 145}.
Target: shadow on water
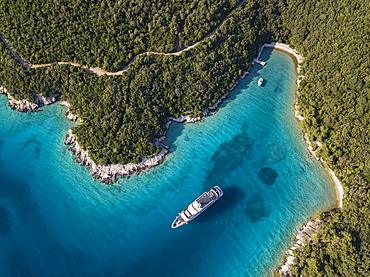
{"x": 267, "y": 175}
{"x": 267, "y": 52}
{"x": 278, "y": 90}
{"x": 173, "y": 134}
{"x": 233, "y": 196}
{"x": 228, "y": 158}
{"x": 33, "y": 143}
{"x": 255, "y": 209}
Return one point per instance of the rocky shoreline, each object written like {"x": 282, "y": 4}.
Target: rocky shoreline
{"x": 69, "y": 115}
{"x": 304, "y": 237}
{"x": 24, "y": 105}
{"x": 109, "y": 173}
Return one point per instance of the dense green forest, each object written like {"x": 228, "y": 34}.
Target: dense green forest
{"x": 107, "y": 34}
{"x": 122, "y": 115}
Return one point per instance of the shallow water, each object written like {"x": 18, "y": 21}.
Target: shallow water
{"x": 55, "y": 220}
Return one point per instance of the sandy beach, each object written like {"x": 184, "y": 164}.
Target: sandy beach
{"x": 338, "y": 187}
{"x": 283, "y": 47}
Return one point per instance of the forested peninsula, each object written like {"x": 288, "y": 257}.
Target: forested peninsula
{"x": 123, "y": 116}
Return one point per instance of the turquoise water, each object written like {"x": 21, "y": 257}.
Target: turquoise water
{"x": 55, "y": 220}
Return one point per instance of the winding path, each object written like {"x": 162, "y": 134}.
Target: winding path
{"x": 99, "y": 71}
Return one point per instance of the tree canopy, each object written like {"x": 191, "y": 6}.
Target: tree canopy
{"x": 107, "y": 34}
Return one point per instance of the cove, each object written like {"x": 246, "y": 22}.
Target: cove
{"x": 57, "y": 221}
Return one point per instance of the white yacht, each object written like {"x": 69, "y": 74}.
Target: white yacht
{"x": 198, "y": 206}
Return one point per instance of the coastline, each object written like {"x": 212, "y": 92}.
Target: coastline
{"x": 285, "y": 48}
{"x": 109, "y": 173}
{"x": 309, "y": 229}
{"x": 304, "y": 237}
{"x": 299, "y": 58}
{"x": 337, "y": 185}
{"x": 24, "y": 105}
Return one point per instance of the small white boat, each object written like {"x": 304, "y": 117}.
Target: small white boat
{"x": 260, "y": 81}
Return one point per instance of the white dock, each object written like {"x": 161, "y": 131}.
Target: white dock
{"x": 259, "y": 62}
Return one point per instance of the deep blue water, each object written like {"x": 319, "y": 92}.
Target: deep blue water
{"x": 55, "y": 220}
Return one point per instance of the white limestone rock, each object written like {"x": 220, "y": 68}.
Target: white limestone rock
{"x": 41, "y": 100}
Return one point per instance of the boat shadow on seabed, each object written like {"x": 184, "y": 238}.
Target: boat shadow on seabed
{"x": 232, "y": 197}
